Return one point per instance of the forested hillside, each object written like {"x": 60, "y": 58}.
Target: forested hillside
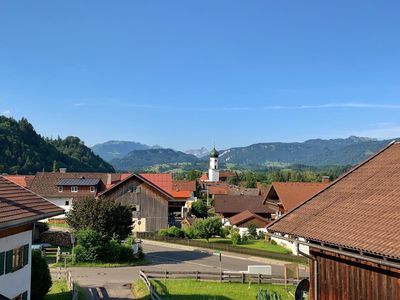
{"x": 23, "y": 151}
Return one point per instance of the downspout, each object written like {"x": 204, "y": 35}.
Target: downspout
{"x": 315, "y": 266}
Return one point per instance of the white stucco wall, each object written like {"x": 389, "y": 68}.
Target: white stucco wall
{"x": 60, "y": 202}
{"x": 291, "y": 246}
{"x": 213, "y": 173}
{"x": 18, "y": 282}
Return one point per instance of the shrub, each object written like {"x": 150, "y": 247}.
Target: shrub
{"x": 245, "y": 238}
{"x": 199, "y": 209}
{"x": 252, "y": 230}
{"x": 190, "y": 232}
{"x": 207, "y": 228}
{"x": 261, "y": 235}
{"x": 40, "y": 278}
{"x": 163, "y": 232}
{"x": 116, "y": 252}
{"x": 90, "y": 246}
{"x": 224, "y": 232}
{"x": 175, "y": 232}
{"x": 235, "y": 236}
{"x": 273, "y": 242}
{"x": 101, "y": 215}
{"x": 268, "y": 295}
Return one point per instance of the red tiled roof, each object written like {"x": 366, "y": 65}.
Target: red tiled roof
{"x": 245, "y": 216}
{"x": 18, "y": 205}
{"x": 292, "y": 194}
{"x": 162, "y": 180}
{"x": 359, "y": 211}
{"x": 22, "y": 180}
{"x": 204, "y": 177}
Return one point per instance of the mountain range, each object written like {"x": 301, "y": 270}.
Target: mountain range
{"x": 314, "y": 153}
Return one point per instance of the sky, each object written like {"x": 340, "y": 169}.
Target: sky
{"x": 187, "y": 74}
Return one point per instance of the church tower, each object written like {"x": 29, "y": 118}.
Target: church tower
{"x": 213, "y": 172}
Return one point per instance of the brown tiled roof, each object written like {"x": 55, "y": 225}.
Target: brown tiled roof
{"x": 292, "y": 194}
{"x": 184, "y": 185}
{"x": 359, "y": 211}
{"x": 45, "y": 183}
{"x": 19, "y": 205}
{"x": 218, "y": 190}
{"x": 237, "y": 204}
{"x": 245, "y": 216}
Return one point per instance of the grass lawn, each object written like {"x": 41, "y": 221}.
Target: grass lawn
{"x": 140, "y": 262}
{"x": 58, "y": 291}
{"x": 58, "y": 225}
{"x": 204, "y": 290}
{"x": 253, "y": 244}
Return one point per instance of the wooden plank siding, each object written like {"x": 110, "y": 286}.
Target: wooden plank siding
{"x": 153, "y": 204}
{"x": 344, "y": 278}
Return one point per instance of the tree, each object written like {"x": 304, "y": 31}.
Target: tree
{"x": 193, "y": 175}
{"x": 102, "y": 215}
{"x": 40, "y": 278}
{"x": 251, "y": 181}
{"x": 207, "y": 228}
{"x": 199, "y": 209}
{"x": 252, "y": 230}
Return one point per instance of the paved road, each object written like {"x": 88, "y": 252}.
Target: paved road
{"x": 114, "y": 283}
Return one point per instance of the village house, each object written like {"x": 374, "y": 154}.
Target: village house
{"x": 285, "y": 196}
{"x": 245, "y": 218}
{"x": 154, "y": 201}
{"x": 352, "y": 229}
{"x": 19, "y": 209}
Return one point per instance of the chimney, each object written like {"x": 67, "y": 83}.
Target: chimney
{"x": 63, "y": 170}
{"x": 109, "y": 179}
{"x": 325, "y": 179}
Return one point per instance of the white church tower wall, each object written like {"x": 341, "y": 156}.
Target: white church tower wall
{"x": 213, "y": 172}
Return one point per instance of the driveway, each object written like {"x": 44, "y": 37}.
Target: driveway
{"x": 115, "y": 283}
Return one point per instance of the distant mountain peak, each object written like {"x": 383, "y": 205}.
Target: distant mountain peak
{"x": 203, "y": 151}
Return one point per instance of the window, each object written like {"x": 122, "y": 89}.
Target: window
{"x": 135, "y": 207}
{"x": 74, "y": 189}
{"x": 133, "y": 189}
{"x": 60, "y": 189}
{"x": 66, "y": 202}
{"x": 23, "y": 296}
{"x": 15, "y": 259}
{"x": 92, "y": 188}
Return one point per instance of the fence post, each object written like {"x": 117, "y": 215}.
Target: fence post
{"x": 259, "y": 278}
{"x": 58, "y": 254}
{"x": 197, "y": 275}
{"x": 166, "y": 274}
{"x": 243, "y": 277}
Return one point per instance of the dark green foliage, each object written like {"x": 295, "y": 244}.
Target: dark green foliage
{"x": 225, "y": 231}
{"x": 172, "y": 232}
{"x": 40, "y": 278}
{"x": 235, "y": 236}
{"x": 26, "y": 152}
{"x": 207, "y": 228}
{"x": 91, "y": 248}
{"x": 268, "y": 295}
{"x": 190, "y": 232}
{"x": 250, "y": 180}
{"x": 199, "y": 209}
{"x": 102, "y": 215}
{"x": 252, "y": 230}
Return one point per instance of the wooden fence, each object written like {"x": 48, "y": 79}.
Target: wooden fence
{"x": 225, "y": 247}
{"x": 73, "y": 287}
{"x": 152, "y": 291}
{"x": 225, "y": 276}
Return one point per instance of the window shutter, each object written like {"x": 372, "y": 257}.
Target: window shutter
{"x": 25, "y": 296}
{"x": 26, "y": 254}
{"x": 1, "y": 263}
{"x": 9, "y": 261}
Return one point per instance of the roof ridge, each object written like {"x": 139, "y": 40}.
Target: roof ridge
{"x": 337, "y": 180}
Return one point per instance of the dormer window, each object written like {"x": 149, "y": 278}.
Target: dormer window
{"x": 92, "y": 189}
{"x": 60, "y": 189}
{"x": 74, "y": 189}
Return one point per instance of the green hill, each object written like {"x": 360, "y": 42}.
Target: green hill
{"x": 23, "y": 151}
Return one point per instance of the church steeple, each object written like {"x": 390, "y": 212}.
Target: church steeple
{"x": 213, "y": 172}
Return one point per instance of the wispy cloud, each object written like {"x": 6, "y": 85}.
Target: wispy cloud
{"x": 149, "y": 106}
{"x": 381, "y": 130}
{"x": 6, "y": 112}
{"x": 336, "y": 105}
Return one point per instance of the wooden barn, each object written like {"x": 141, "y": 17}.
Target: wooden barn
{"x": 352, "y": 228}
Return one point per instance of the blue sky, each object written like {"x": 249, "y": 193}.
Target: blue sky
{"x": 186, "y": 74}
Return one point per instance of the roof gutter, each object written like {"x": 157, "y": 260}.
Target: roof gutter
{"x": 378, "y": 261}
{"x": 29, "y": 220}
